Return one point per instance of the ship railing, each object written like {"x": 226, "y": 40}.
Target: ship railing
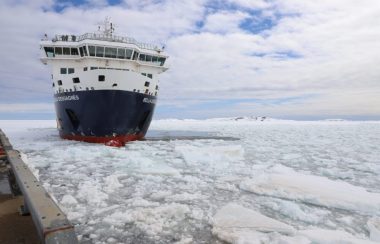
{"x": 105, "y": 37}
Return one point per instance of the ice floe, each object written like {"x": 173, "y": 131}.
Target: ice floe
{"x": 332, "y": 237}
{"x": 374, "y": 228}
{"x": 236, "y": 224}
{"x": 284, "y": 182}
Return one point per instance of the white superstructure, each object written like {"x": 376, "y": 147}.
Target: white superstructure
{"x": 103, "y": 61}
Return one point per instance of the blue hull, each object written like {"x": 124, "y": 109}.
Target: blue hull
{"x": 103, "y": 115}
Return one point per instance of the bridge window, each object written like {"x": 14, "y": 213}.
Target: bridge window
{"x": 161, "y": 60}
{"x": 58, "y": 50}
{"x": 99, "y": 51}
{"x": 101, "y": 78}
{"x": 144, "y": 74}
{"x": 154, "y": 59}
{"x": 76, "y": 80}
{"x": 85, "y": 69}
{"x": 85, "y": 51}
{"x": 135, "y": 55}
{"x": 74, "y": 51}
{"x": 142, "y": 57}
{"x": 110, "y": 52}
{"x": 49, "y": 51}
{"x": 59, "y": 82}
{"x": 92, "y": 68}
{"x": 70, "y": 70}
{"x": 66, "y": 51}
{"x": 63, "y": 71}
{"x": 81, "y": 51}
{"x": 148, "y": 58}
{"x": 121, "y": 53}
{"x": 128, "y": 54}
{"x": 91, "y": 50}
{"x": 150, "y": 76}
{"x": 146, "y": 83}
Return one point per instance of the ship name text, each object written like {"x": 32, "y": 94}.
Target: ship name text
{"x": 149, "y": 100}
{"x": 67, "y": 98}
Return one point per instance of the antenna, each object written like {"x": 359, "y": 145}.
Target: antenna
{"x": 106, "y": 27}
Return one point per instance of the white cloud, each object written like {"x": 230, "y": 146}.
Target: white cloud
{"x": 252, "y": 4}
{"x": 224, "y": 22}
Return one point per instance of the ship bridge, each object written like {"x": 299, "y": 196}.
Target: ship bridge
{"x": 103, "y": 45}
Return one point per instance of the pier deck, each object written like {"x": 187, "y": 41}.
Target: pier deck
{"x": 44, "y": 221}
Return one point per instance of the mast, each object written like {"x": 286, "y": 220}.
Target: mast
{"x": 106, "y": 27}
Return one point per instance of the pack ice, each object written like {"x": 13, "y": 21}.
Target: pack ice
{"x": 279, "y": 182}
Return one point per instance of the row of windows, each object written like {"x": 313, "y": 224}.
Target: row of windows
{"x": 77, "y": 80}
{"x": 111, "y": 52}
{"x": 60, "y": 90}
{"x": 52, "y": 51}
{"x": 67, "y": 71}
{"x": 148, "y": 75}
{"x": 92, "y": 68}
{"x": 106, "y": 52}
{"x": 72, "y": 70}
{"x": 101, "y": 78}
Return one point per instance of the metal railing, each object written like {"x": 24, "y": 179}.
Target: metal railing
{"x": 52, "y": 224}
{"x": 105, "y": 37}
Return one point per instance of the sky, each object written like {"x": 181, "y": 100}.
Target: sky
{"x": 289, "y": 59}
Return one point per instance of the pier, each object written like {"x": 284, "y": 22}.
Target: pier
{"x": 28, "y": 214}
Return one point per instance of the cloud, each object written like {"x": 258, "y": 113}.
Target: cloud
{"x": 219, "y": 51}
{"x": 224, "y": 22}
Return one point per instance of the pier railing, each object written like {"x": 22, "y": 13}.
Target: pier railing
{"x": 52, "y": 224}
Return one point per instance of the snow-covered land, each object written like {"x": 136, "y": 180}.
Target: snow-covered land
{"x": 280, "y": 182}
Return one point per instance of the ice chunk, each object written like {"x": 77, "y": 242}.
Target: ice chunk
{"x": 91, "y": 193}
{"x": 374, "y": 228}
{"x": 160, "y": 195}
{"x": 286, "y": 183}
{"x": 112, "y": 183}
{"x": 119, "y": 218}
{"x": 236, "y": 224}
{"x": 297, "y": 212}
{"x": 332, "y": 236}
{"x": 140, "y": 202}
{"x": 184, "y": 197}
{"x": 68, "y": 200}
{"x": 210, "y": 154}
{"x": 185, "y": 240}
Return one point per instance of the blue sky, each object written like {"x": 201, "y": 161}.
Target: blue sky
{"x": 288, "y": 59}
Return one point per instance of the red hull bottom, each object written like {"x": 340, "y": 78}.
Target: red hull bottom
{"x": 115, "y": 141}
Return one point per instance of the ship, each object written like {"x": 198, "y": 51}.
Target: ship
{"x": 105, "y": 86}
